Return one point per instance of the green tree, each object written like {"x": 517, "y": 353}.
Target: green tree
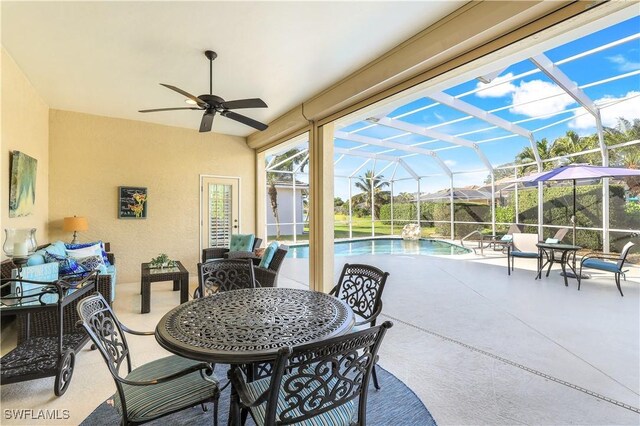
{"x": 372, "y": 185}
{"x": 527, "y": 156}
{"x": 288, "y": 161}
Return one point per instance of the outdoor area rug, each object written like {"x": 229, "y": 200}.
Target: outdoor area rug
{"x": 395, "y": 403}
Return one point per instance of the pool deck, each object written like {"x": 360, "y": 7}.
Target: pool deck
{"x": 481, "y": 347}
{"x": 477, "y": 346}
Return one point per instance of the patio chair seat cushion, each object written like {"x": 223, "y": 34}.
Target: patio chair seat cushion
{"x": 527, "y": 254}
{"x": 341, "y": 415}
{"x": 601, "y": 264}
{"x": 241, "y": 242}
{"x": 145, "y": 403}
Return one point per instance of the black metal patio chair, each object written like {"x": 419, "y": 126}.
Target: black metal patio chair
{"x": 361, "y": 286}
{"x": 223, "y": 275}
{"x": 155, "y": 389}
{"x": 321, "y": 383}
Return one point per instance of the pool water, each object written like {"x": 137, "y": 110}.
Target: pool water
{"x": 385, "y": 246}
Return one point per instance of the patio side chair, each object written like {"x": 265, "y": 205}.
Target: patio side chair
{"x": 604, "y": 262}
{"x": 361, "y": 287}
{"x": 321, "y": 383}
{"x": 224, "y": 275}
{"x": 155, "y": 389}
{"x": 504, "y": 241}
{"x": 524, "y": 246}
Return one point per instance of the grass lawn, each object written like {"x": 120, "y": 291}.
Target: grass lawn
{"x": 361, "y": 227}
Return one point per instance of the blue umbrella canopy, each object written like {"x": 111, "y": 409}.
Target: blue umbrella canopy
{"x": 575, "y": 172}
{"x": 579, "y": 171}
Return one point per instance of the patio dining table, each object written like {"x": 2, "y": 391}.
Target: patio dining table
{"x": 567, "y": 258}
{"x": 247, "y": 326}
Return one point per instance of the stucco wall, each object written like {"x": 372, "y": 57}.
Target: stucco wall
{"x": 92, "y": 155}
{"x": 25, "y": 128}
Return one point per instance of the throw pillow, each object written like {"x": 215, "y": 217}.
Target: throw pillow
{"x": 92, "y": 263}
{"x": 268, "y": 254}
{"x": 241, "y": 242}
{"x": 105, "y": 258}
{"x": 66, "y": 265}
{"x": 507, "y": 238}
{"x": 85, "y": 252}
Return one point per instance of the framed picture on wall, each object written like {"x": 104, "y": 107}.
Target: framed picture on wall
{"x": 132, "y": 202}
{"x": 22, "y": 188}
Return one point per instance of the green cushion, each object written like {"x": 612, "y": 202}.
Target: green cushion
{"x": 340, "y": 415}
{"x": 242, "y": 242}
{"x": 145, "y": 403}
{"x": 111, "y": 270}
{"x": 601, "y": 265}
{"x": 268, "y": 254}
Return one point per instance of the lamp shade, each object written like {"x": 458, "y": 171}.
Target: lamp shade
{"x": 75, "y": 223}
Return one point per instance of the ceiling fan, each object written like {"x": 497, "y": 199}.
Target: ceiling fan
{"x": 212, "y": 104}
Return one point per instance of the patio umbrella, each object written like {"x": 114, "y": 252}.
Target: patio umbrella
{"x": 575, "y": 172}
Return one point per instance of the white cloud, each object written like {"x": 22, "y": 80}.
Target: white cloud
{"x": 496, "y": 89}
{"x": 623, "y": 64}
{"x": 628, "y": 109}
{"x": 539, "y": 98}
{"x": 450, "y": 163}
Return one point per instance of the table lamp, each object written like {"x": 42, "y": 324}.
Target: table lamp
{"x": 75, "y": 224}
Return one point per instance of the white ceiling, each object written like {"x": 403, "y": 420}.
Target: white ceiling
{"x": 107, "y": 58}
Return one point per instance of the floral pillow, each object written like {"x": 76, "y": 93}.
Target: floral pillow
{"x": 66, "y": 265}
{"x": 92, "y": 263}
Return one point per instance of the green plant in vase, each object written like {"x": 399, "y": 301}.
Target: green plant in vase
{"x": 162, "y": 261}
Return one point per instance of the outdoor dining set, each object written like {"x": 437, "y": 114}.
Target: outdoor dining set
{"x": 289, "y": 355}
{"x": 524, "y": 245}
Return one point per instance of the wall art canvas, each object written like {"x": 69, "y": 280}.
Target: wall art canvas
{"x": 22, "y": 191}
{"x": 132, "y": 202}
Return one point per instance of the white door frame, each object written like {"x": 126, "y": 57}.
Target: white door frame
{"x": 201, "y": 227}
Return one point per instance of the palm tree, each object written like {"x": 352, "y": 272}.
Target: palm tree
{"x": 572, "y": 143}
{"x": 288, "y": 161}
{"x": 372, "y": 185}
{"x": 527, "y": 156}
{"x": 273, "y": 198}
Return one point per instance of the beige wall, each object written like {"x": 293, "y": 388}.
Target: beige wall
{"x": 25, "y": 128}
{"x": 90, "y": 156}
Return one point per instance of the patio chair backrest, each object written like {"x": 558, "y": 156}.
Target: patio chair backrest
{"x": 623, "y": 255}
{"x": 525, "y": 242}
{"x": 225, "y": 274}
{"x": 361, "y": 286}
{"x": 562, "y": 232}
{"x": 105, "y": 331}
{"x": 319, "y": 377}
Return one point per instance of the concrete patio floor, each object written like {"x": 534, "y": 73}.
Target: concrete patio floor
{"x": 477, "y": 346}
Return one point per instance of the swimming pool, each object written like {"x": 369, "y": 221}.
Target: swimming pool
{"x": 384, "y": 246}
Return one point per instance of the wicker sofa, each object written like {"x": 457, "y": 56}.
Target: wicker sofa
{"x": 45, "y": 323}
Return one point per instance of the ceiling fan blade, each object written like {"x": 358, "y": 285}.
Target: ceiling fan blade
{"x": 195, "y": 99}
{"x": 244, "y": 103}
{"x": 244, "y": 120}
{"x": 167, "y": 109}
{"x": 207, "y": 120}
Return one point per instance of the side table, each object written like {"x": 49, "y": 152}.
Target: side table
{"x": 178, "y": 274}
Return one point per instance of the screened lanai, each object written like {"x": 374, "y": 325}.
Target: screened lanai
{"x": 446, "y": 155}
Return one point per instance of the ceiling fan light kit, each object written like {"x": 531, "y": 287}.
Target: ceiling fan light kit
{"x": 212, "y": 104}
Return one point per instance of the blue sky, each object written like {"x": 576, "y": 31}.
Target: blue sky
{"x": 520, "y": 99}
